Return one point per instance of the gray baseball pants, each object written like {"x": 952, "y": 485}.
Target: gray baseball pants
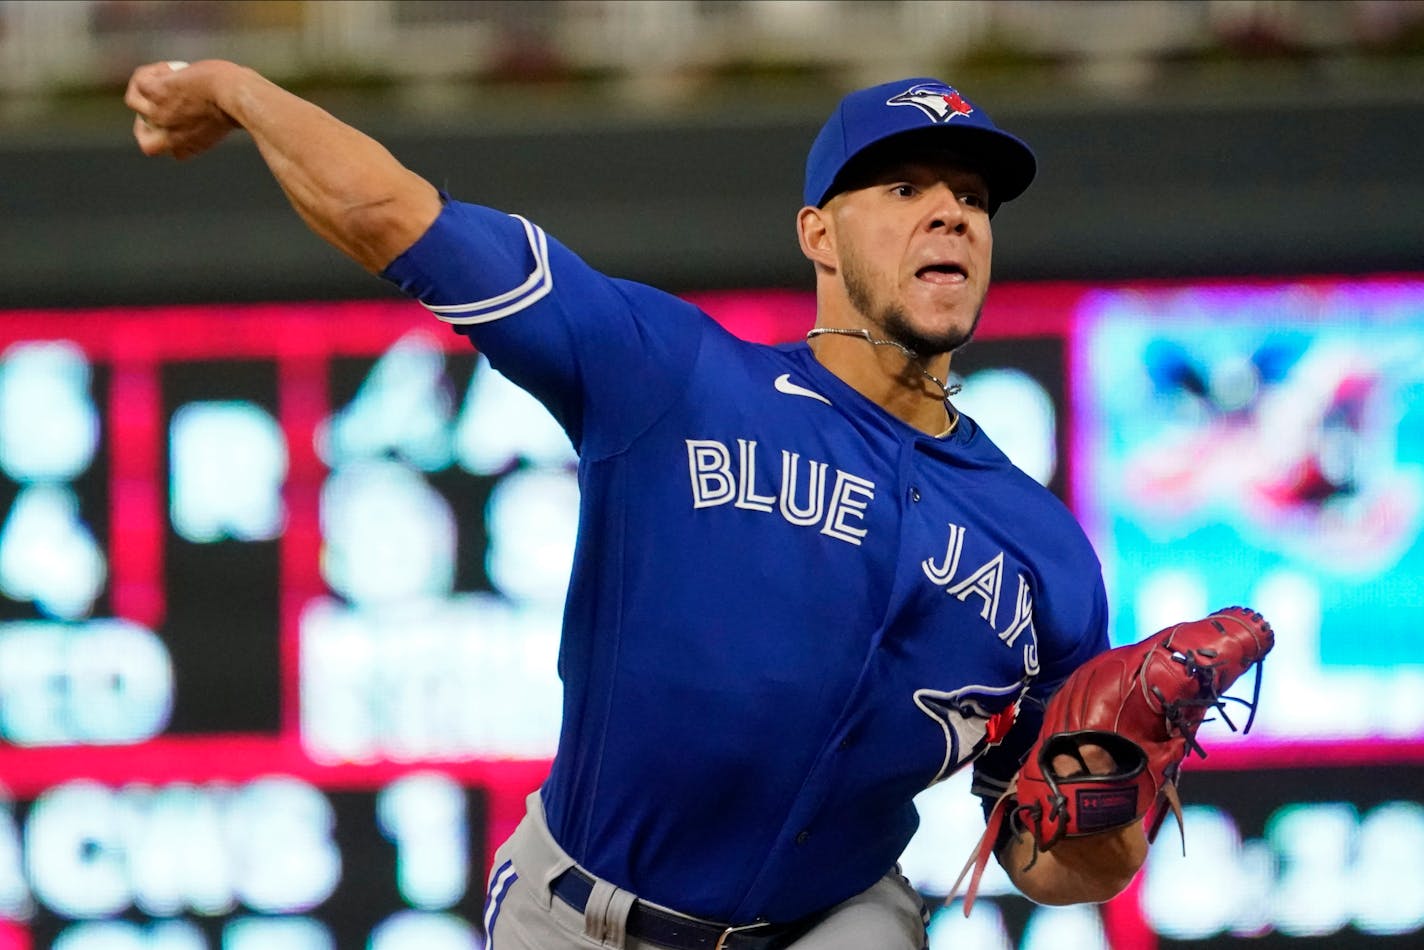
{"x": 521, "y": 913}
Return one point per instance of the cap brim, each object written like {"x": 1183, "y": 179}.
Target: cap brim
{"x": 1007, "y": 164}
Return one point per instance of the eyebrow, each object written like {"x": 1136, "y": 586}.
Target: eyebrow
{"x": 904, "y": 167}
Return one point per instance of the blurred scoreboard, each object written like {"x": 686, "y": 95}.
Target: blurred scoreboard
{"x": 279, "y": 626}
{"x": 280, "y": 590}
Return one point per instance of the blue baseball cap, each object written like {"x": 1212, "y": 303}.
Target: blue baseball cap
{"x": 929, "y": 107}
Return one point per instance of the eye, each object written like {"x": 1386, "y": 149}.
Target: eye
{"x": 974, "y": 199}
{"x": 903, "y": 190}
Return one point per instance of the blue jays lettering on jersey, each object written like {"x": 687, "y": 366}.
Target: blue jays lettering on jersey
{"x": 789, "y": 611}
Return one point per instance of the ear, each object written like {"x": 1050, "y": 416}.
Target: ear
{"x": 815, "y": 230}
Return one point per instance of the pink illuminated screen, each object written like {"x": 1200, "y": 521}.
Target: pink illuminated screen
{"x": 308, "y": 560}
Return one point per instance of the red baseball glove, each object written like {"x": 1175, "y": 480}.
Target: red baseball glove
{"x": 1142, "y": 704}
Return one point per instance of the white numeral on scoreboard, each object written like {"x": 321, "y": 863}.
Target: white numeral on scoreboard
{"x": 424, "y": 815}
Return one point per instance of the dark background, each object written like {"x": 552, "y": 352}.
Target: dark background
{"x": 1184, "y": 188}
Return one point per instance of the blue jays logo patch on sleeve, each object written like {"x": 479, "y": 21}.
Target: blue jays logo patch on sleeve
{"x": 972, "y": 717}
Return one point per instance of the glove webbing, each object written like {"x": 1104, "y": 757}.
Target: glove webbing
{"x": 1176, "y": 714}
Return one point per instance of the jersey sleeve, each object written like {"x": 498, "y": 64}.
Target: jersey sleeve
{"x": 552, "y": 324}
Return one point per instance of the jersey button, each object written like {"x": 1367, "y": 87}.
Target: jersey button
{"x": 803, "y": 837}
{"x": 914, "y": 494}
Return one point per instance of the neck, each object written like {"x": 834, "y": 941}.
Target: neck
{"x": 890, "y": 375}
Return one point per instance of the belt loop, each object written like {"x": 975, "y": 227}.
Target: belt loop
{"x": 595, "y": 909}
{"x": 605, "y": 916}
{"x": 551, "y": 874}
{"x": 620, "y": 904}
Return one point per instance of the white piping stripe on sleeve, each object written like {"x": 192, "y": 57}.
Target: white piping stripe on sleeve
{"x": 539, "y": 245}
{"x": 534, "y": 288}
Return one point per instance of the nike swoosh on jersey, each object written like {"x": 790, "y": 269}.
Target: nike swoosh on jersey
{"x": 784, "y": 384}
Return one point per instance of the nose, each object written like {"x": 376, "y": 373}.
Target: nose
{"x": 945, "y": 213}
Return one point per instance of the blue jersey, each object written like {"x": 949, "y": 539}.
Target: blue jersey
{"x": 789, "y": 612}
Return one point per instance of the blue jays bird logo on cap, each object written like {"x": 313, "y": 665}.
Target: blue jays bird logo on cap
{"x": 936, "y": 100}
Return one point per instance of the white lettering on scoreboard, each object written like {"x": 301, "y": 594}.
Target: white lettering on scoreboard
{"x": 93, "y": 851}
{"x": 97, "y": 682}
{"x": 263, "y": 857}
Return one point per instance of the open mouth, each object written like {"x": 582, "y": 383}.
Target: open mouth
{"x": 942, "y": 274}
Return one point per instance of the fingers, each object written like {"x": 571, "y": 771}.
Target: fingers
{"x": 147, "y": 131}
{"x": 151, "y": 139}
{"x": 1086, "y": 759}
{"x": 146, "y": 85}
{"x": 175, "y": 108}
{"x": 1069, "y": 766}
{"x": 137, "y": 100}
{"x": 159, "y": 102}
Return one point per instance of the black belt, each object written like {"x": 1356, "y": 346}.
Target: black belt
{"x": 666, "y": 929}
